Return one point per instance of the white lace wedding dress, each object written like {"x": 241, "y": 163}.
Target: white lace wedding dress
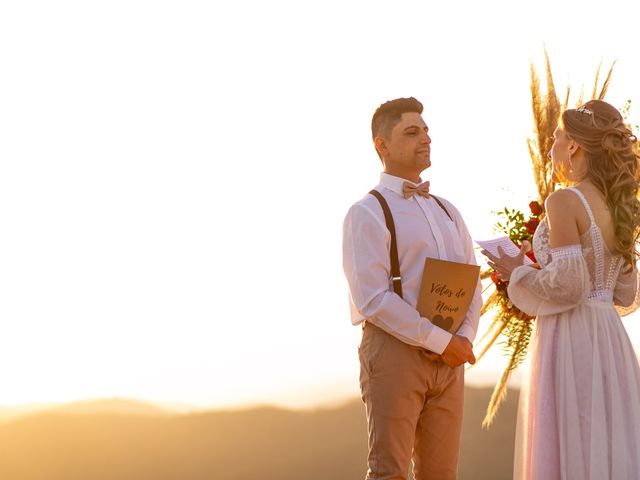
{"x": 579, "y": 414}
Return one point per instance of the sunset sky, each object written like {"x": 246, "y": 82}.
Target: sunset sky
{"x": 174, "y": 176}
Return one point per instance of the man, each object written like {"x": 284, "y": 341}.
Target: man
{"x": 411, "y": 371}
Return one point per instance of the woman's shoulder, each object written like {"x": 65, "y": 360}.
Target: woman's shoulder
{"x": 564, "y": 209}
{"x": 563, "y": 201}
{"x": 568, "y": 211}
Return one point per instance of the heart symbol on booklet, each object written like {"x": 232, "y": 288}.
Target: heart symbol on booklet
{"x": 444, "y": 323}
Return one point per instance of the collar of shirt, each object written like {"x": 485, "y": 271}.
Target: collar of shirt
{"x": 429, "y": 209}
{"x": 395, "y": 183}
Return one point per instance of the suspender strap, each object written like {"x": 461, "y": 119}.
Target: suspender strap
{"x": 395, "y": 264}
{"x": 441, "y": 206}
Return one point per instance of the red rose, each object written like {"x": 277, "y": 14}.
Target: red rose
{"x": 500, "y": 285}
{"x": 536, "y": 208}
{"x": 531, "y": 256}
{"x": 531, "y": 225}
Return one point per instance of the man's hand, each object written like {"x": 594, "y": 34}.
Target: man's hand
{"x": 458, "y": 352}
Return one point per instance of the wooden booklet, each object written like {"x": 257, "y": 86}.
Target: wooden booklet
{"x": 446, "y": 292}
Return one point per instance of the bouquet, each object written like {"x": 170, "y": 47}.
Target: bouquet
{"x": 509, "y": 322}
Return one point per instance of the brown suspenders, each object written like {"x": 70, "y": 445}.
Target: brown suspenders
{"x": 393, "y": 251}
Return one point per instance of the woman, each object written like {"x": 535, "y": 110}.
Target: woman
{"x": 579, "y": 415}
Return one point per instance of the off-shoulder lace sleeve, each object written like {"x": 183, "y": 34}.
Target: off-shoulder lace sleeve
{"x": 558, "y": 287}
{"x": 626, "y": 295}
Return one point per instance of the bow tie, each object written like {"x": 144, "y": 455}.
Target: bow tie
{"x": 409, "y": 190}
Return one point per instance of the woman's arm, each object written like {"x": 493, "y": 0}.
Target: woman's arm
{"x": 564, "y": 282}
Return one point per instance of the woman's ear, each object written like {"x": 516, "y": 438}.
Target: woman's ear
{"x": 573, "y": 146}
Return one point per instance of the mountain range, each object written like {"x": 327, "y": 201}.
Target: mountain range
{"x": 118, "y": 439}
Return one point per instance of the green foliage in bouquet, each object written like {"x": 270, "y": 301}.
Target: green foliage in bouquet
{"x": 514, "y": 226}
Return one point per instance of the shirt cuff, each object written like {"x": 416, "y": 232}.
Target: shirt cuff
{"x": 437, "y": 340}
{"x": 467, "y": 332}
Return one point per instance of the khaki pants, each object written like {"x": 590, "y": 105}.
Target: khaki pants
{"x": 414, "y": 409}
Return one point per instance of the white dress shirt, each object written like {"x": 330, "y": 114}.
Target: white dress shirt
{"x": 423, "y": 230}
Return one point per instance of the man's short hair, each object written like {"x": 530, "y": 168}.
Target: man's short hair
{"x": 389, "y": 113}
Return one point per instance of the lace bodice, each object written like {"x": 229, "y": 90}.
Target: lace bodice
{"x": 603, "y": 267}
{"x": 573, "y": 274}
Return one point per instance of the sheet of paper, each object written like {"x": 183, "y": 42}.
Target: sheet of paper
{"x": 507, "y": 245}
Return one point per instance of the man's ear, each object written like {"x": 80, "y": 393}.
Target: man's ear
{"x": 381, "y": 146}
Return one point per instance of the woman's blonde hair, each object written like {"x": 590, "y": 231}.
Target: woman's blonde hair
{"x": 612, "y": 166}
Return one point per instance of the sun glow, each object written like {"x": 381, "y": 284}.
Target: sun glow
{"x": 175, "y": 175}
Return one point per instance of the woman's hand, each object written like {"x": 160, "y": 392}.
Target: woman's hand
{"x": 505, "y": 264}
